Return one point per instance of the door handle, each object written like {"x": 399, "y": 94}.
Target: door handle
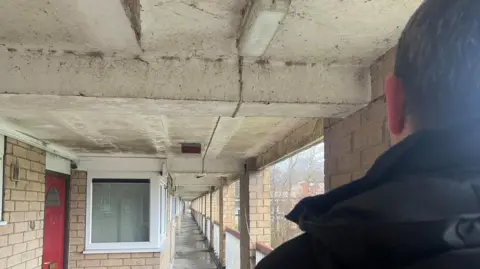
{"x": 49, "y": 265}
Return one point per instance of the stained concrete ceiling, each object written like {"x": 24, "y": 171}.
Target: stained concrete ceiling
{"x": 143, "y": 76}
{"x": 132, "y": 132}
{"x": 346, "y": 31}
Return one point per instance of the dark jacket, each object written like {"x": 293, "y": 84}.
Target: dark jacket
{"x": 418, "y": 207}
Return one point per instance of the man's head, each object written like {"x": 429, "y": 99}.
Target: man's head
{"x": 436, "y": 82}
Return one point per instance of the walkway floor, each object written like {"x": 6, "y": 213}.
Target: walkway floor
{"x": 191, "y": 252}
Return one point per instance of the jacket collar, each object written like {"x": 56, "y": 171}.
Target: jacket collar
{"x": 425, "y": 150}
{"x": 366, "y": 242}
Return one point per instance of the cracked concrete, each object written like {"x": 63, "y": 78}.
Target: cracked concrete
{"x": 355, "y": 32}
{"x": 143, "y": 76}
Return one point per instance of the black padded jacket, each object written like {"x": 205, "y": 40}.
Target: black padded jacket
{"x": 418, "y": 207}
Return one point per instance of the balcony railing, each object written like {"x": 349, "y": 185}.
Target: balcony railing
{"x": 232, "y": 243}
{"x": 208, "y": 230}
{"x": 216, "y": 239}
{"x": 261, "y": 251}
{"x": 232, "y": 249}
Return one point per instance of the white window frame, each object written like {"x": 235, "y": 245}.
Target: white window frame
{"x": 2, "y": 175}
{"x": 157, "y": 239}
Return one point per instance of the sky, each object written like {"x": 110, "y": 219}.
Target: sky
{"x": 303, "y": 156}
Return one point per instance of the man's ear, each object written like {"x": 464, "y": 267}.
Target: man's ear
{"x": 396, "y": 114}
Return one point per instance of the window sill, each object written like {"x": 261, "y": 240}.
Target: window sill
{"x": 160, "y": 248}
{"x": 111, "y": 251}
{"x": 3, "y": 223}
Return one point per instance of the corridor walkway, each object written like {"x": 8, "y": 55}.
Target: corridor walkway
{"x": 191, "y": 251}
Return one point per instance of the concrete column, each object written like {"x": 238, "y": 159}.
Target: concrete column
{"x": 212, "y": 234}
{"x": 244, "y": 221}
{"x": 221, "y": 227}
{"x": 215, "y": 206}
{"x": 205, "y": 214}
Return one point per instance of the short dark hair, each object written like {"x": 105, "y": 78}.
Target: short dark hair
{"x": 438, "y": 62}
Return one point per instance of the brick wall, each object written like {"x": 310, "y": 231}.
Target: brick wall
{"x": 229, "y": 206}
{"x": 260, "y": 219}
{"x": 21, "y": 240}
{"x": 77, "y": 260}
{"x": 354, "y": 143}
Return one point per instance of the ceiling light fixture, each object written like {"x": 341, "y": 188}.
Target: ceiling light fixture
{"x": 260, "y": 23}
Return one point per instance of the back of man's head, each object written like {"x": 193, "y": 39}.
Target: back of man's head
{"x": 438, "y": 63}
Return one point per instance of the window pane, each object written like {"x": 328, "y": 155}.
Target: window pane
{"x": 53, "y": 198}
{"x": 120, "y": 211}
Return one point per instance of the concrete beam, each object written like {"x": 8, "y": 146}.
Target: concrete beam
{"x": 301, "y": 88}
{"x": 306, "y": 135}
{"x": 198, "y": 165}
{"x": 194, "y": 85}
{"x": 80, "y": 25}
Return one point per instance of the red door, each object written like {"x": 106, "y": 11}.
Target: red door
{"x": 54, "y": 231}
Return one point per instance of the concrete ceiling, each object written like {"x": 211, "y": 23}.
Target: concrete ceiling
{"x": 132, "y": 132}
{"x": 347, "y": 31}
{"x": 78, "y": 25}
{"x": 204, "y": 28}
{"x": 143, "y": 76}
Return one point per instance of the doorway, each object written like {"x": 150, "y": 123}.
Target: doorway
{"x": 55, "y": 220}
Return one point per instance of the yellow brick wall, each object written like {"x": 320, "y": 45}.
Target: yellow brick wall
{"x": 21, "y": 240}
{"x": 260, "y": 219}
{"x": 77, "y": 260}
{"x": 215, "y": 206}
{"x": 229, "y": 206}
{"x": 353, "y": 144}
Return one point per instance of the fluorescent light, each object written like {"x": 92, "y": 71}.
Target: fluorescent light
{"x": 260, "y": 25}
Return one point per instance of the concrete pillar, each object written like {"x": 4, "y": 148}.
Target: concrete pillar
{"x": 216, "y": 206}
{"x": 244, "y": 221}
{"x": 354, "y": 143}
{"x": 221, "y": 227}
{"x": 205, "y": 214}
{"x": 212, "y": 234}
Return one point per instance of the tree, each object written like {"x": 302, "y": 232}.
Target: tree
{"x": 291, "y": 180}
